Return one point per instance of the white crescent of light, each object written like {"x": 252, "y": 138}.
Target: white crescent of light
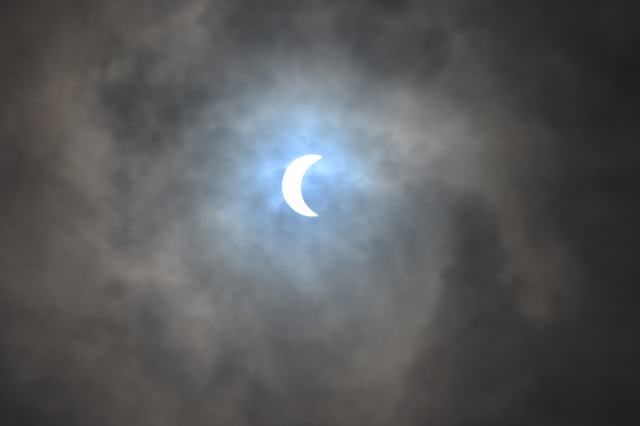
{"x": 292, "y": 184}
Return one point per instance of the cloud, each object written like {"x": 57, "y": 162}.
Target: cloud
{"x": 469, "y": 214}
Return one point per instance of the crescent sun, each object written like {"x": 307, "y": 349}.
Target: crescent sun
{"x": 292, "y": 184}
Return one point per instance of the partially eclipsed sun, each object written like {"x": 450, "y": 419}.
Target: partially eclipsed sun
{"x": 292, "y": 184}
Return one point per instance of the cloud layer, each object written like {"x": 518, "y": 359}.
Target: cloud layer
{"x": 472, "y": 263}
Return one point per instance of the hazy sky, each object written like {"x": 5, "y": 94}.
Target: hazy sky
{"x": 474, "y": 261}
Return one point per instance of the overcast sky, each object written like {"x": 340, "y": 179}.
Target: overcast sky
{"x": 474, "y": 261}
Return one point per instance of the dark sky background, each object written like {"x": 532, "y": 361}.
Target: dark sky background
{"x": 474, "y": 261}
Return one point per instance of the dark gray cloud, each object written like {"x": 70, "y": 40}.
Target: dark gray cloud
{"x": 474, "y": 258}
